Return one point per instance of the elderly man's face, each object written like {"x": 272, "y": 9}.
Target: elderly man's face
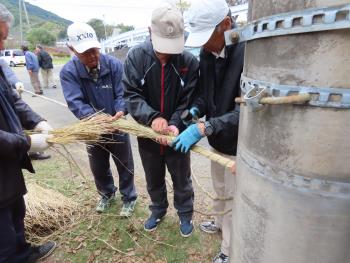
{"x": 217, "y": 40}
{"x": 89, "y": 58}
{"x": 4, "y": 31}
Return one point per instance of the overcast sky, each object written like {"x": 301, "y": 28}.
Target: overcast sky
{"x": 130, "y": 12}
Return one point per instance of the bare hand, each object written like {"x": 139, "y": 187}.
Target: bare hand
{"x": 233, "y": 168}
{"x": 118, "y": 115}
{"x": 173, "y": 130}
{"x": 160, "y": 125}
{"x": 162, "y": 140}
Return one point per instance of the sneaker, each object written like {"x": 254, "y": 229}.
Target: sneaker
{"x": 186, "y": 228}
{"x": 39, "y": 156}
{"x": 221, "y": 258}
{"x": 128, "y": 208}
{"x": 152, "y": 223}
{"x": 41, "y": 252}
{"x": 209, "y": 227}
{"x": 104, "y": 203}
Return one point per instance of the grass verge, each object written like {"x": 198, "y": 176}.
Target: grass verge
{"x": 109, "y": 238}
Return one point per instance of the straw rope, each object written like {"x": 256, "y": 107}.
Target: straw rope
{"x": 93, "y": 129}
{"x": 92, "y": 133}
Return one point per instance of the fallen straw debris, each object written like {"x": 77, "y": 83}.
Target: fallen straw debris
{"x": 46, "y": 211}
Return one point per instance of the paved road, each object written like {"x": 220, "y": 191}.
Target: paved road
{"x": 59, "y": 116}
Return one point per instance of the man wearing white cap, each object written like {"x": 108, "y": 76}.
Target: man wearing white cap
{"x": 159, "y": 81}
{"x": 92, "y": 82}
{"x": 221, "y": 68}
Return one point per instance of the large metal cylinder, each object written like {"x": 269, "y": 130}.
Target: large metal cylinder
{"x": 292, "y": 202}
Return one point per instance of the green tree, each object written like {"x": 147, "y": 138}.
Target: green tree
{"x": 183, "y": 5}
{"x": 40, "y": 36}
{"x": 62, "y": 34}
{"x": 99, "y": 27}
{"x": 124, "y": 28}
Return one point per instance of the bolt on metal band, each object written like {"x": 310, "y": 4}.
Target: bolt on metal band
{"x": 302, "y": 21}
{"x": 320, "y": 96}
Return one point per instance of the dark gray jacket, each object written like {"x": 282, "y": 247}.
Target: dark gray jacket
{"x": 14, "y": 147}
{"x": 153, "y": 90}
{"x": 219, "y": 86}
{"x": 45, "y": 60}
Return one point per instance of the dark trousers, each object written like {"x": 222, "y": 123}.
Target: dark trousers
{"x": 178, "y": 164}
{"x": 13, "y": 246}
{"x": 120, "y": 150}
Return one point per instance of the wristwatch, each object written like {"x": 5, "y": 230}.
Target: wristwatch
{"x": 208, "y": 128}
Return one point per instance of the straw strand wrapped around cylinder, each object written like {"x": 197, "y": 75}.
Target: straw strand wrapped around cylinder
{"x": 92, "y": 129}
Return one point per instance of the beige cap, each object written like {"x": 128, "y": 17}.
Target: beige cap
{"x": 167, "y": 30}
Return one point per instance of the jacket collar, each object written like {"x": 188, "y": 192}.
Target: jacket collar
{"x": 83, "y": 73}
{"x": 148, "y": 48}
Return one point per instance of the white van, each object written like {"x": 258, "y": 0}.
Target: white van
{"x": 13, "y": 57}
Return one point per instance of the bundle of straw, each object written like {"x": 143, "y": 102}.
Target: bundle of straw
{"x": 89, "y": 130}
{"x": 92, "y": 129}
{"x": 47, "y": 211}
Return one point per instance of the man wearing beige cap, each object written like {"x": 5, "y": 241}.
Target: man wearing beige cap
{"x": 221, "y": 68}
{"x": 91, "y": 82}
{"x": 159, "y": 81}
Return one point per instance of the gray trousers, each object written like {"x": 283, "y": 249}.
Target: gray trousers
{"x": 223, "y": 185}
{"x": 47, "y": 77}
{"x": 99, "y": 155}
{"x": 34, "y": 79}
{"x": 178, "y": 164}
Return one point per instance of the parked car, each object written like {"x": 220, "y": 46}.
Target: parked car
{"x": 13, "y": 57}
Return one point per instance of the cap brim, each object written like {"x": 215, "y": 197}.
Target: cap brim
{"x": 168, "y": 45}
{"x": 82, "y": 47}
{"x": 198, "y": 39}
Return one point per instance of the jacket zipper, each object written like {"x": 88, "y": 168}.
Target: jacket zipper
{"x": 162, "y": 101}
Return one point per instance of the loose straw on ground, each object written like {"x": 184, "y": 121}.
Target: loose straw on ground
{"x": 46, "y": 211}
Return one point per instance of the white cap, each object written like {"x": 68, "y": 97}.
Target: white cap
{"x": 203, "y": 16}
{"x": 167, "y": 30}
{"x": 82, "y": 37}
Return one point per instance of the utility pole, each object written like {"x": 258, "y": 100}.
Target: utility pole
{"x": 22, "y": 5}
{"x": 20, "y": 20}
{"x": 104, "y": 25}
{"x": 26, "y": 13}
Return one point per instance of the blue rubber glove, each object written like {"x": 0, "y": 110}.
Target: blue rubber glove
{"x": 187, "y": 138}
{"x": 195, "y": 112}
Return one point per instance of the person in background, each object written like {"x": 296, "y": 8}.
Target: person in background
{"x": 46, "y": 67}
{"x": 159, "y": 80}
{"x": 15, "y": 115}
{"x": 92, "y": 82}
{"x": 220, "y": 71}
{"x": 11, "y": 77}
{"x": 32, "y": 65}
